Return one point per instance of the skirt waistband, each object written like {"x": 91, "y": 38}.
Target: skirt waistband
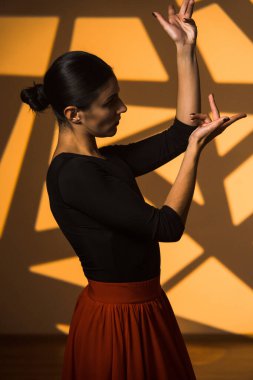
{"x": 124, "y": 292}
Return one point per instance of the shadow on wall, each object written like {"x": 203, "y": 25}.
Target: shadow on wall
{"x": 211, "y": 264}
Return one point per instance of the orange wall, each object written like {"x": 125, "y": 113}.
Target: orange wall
{"x": 207, "y": 275}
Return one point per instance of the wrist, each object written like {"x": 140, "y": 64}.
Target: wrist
{"x": 194, "y": 148}
{"x": 185, "y": 49}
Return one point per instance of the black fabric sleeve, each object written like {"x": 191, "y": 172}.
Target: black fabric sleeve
{"x": 87, "y": 187}
{"x": 152, "y": 152}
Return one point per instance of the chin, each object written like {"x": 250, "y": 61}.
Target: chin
{"x": 113, "y": 130}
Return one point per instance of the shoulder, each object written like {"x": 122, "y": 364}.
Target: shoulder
{"x": 80, "y": 170}
{"x": 79, "y": 164}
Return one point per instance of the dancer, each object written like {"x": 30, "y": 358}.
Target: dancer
{"x": 123, "y": 326}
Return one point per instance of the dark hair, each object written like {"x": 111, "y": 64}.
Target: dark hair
{"x": 75, "y": 78}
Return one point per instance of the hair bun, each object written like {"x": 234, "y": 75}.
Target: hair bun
{"x": 35, "y": 97}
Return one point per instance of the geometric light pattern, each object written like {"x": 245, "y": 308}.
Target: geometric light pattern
{"x": 12, "y": 160}
{"x": 63, "y": 328}
{"x": 219, "y": 41}
{"x": 239, "y": 191}
{"x": 176, "y": 256}
{"x": 202, "y": 286}
{"x": 169, "y": 172}
{"x": 24, "y": 53}
{"x": 67, "y": 270}
{"x": 116, "y": 39}
{"x": 235, "y": 133}
{"x": 44, "y": 218}
{"x": 207, "y": 296}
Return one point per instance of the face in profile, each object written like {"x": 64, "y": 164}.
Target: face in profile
{"x": 104, "y": 114}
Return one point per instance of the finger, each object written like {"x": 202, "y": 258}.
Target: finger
{"x": 217, "y": 126}
{"x": 214, "y": 108}
{"x": 171, "y": 10}
{"x": 189, "y": 9}
{"x": 234, "y": 118}
{"x": 231, "y": 120}
{"x": 183, "y": 7}
{"x": 162, "y": 21}
{"x": 218, "y": 123}
{"x": 201, "y": 116}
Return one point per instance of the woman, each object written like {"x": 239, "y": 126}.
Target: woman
{"x": 123, "y": 326}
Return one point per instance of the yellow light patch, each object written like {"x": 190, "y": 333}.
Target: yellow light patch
{"x": 235, "y": 133}
{"x": 176, "y": 256}
{"x": 123, "y": 42}
{"x": 169, "y": 172}
{"x": 238, "y": 187}
{"x": 44, "y": 219}
{"x": 68, "y": 270}
{"x": 26, "y": 44}
{"x": 207, "y": 296}
{"x": 219, "y": 41}
{"x": 12, "y": 160}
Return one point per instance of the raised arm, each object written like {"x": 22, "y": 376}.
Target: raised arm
{"x": 149, "y": 154}
{"x": 183, "y": 31}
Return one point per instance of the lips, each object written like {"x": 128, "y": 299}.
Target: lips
{"x": 116, "y": 122}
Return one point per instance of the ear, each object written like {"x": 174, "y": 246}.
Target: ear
{"x": 71, "y": 113}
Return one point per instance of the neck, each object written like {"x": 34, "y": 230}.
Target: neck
{"x": 72, "y": 141}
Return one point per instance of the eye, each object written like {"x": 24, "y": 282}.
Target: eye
{"x": 111, "y": 101}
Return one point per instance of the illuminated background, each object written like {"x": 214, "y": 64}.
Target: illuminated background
{"x": 207, "y": 275}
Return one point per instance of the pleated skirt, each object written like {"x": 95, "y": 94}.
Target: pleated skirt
{"x": 125, "y": 331}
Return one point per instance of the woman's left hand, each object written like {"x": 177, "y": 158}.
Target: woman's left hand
{"x": 180, "y": 26}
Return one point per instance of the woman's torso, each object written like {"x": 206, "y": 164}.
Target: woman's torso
{"x": 105, "y": 254}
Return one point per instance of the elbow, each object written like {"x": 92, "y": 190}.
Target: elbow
{"x": 170, "y": 227}
{"x": 180, "y": 230}
{"x": 177, "y": 236}
{"x": 172, "y": 237}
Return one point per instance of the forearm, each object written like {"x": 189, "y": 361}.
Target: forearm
{"x": 181, "y": 193}
{"x": 188, "y": 96}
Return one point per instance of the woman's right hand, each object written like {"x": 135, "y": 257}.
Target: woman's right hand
{"x": 208, "y": 129}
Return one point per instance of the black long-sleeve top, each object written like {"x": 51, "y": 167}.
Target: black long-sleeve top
{"x": 99, "y": 208}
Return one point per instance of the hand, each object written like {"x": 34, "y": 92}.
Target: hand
{"x": 208, "y": 129}
{"x": 180, "y": 26}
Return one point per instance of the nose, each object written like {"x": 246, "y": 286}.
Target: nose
{"x": 123, "y": 108}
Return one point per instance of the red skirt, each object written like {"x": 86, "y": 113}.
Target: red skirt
{"x": 125, "y": 331}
